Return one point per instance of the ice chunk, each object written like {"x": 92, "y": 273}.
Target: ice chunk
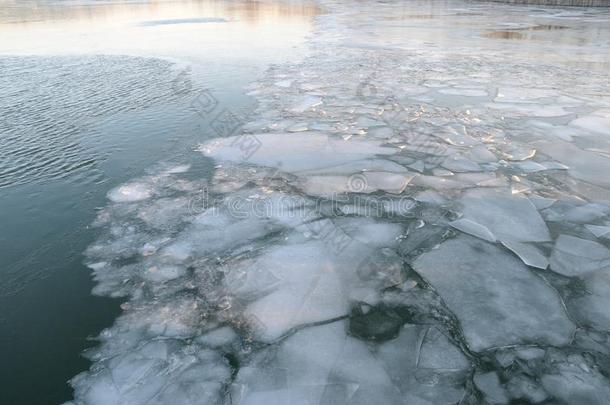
{"x": 583, "y": 165}
{"x": 305, "y": 104}
{"x": 464, "y": 92}
{"x": 177, "y": 169}
{"x": 523, "y": 95}
{"x": 298, "y": 127}
{"x": 497, "y": 300}
{"x": 593, "y": 123}
{"x": 489, "y": 384}
{"x": 530, "y": 166}
{"x": 592, "y": 307}
{"x": 284, "y": 83}
{"x": 320, "y": 365}
{"x": 153, "y": 373}
{"x": 218, "y": 337}
{"x": 309, "y": 290}
{"x": 425, "y": 366}
{"x": 575, "y": 382}
{"x": 530, "y": 110}
{"x": 365, "y": 182}
{"x": 541, "y": 202}
{"x": 474, "y": 229}
{"x": 599, "y": 231}
{"x": 529, "y": 254}
{"x": 508, "y": 216}
{"x": 163, "y": 273}
{"x": 430, "y": 197}
{"x": 459, "y": 181}
{"x": 574, "y": 256}
{"x": 586, "y": 213}
{"x": 437, "y": 352}
{"x": 130, "y": 192}
{"x": 457, "y": 163}
{"x": 480, "y": 154}
{"x": 315, "y": 150}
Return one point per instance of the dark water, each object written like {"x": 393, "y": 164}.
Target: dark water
{"x": 80, "y": 113}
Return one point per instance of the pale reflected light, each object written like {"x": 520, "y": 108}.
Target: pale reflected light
{"x": 163, "y": 28}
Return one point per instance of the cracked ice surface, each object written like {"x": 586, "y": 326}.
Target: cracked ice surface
{"x": 418, "y": 213}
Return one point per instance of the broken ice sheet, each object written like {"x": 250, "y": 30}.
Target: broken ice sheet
{"x": 315, "y": 151}
{"x": 474, "y": 229}
{"x": 425, "y": 365}
{"x": 316, "y": 361}
{"x": 602, "y": 232}
{"x": 305, "y": 104}
{"x": 524, "y": 95}
{"x": 574, "y": 256}
{"x": 510, "y": 217}
{"x": 464, "y": 92}
{"x": 288, "y": 331}
{"x": 490, "y": 386}
{"x": 496, "y": 298}
{"x": 528, "y": 253}
{"x": 156, "y": 372}
{"x": 599, "y": 124}
{"x": 529, "y": 110}
{"x": 583, "y": 165}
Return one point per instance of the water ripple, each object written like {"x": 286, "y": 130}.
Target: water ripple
{"x": 49, "y": 104}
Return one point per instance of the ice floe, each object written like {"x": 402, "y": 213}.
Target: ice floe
{"x": 379, "y": 231}
{"x": 510, "y": 217}
{"x": 497, "y": 300}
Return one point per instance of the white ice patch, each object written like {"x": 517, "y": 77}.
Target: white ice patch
{"x": 524, "y": 95}
{"x": 464, "y": 92}
{"x": 529, "y": 254}
{"x": 315, "y": 151}
{"x": 130, "y": 193}
{"x": 602, "y": 232}
{"x": 583, "y": 165}
{"x": 529, "y": 110}
{"x": 309, "y": 290}
{"x": 574, "y": 256}
{"x": 425, "y": 366}
{"x": 317, "y": 365}
{"x": 496, "y": 298}
{"x": 593, "y": 123}
{"x": 305, "y": 104}
{"x": 474, "y": 229}
{"x": 510, "y": 217}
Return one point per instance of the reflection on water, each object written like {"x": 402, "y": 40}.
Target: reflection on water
{"x": 523, "y": 32}
{"x": 117, "y": 27}
{"x": 28, "y": 12}
{"x": 546, "y": 27}
{"x": 555, "y": 36}
{"x": 183, "y": 21}
{"x": 504, "y": 35}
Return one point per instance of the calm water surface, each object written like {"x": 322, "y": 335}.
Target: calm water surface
{"x": 91, "y": 94}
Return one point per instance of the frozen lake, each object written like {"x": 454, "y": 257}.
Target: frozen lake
{"x": 341, "y": 203}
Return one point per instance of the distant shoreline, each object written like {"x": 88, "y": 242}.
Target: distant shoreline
{"x": 571, "y": 3}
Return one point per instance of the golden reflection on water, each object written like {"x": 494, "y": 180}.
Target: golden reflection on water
{"x": 27, "y": 12}
{"x": 130, "y": 27}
